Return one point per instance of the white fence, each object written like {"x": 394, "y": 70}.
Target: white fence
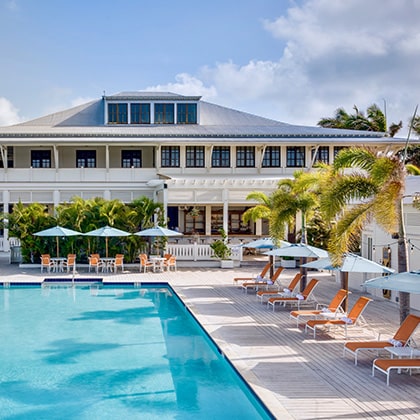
{"x": 185, "y": 252}
{"x": 198, "y": 252}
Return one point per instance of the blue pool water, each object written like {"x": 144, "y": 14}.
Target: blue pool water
{"x": 98, "y": 352}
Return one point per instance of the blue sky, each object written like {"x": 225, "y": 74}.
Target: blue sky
{"x": 293, "y": 61}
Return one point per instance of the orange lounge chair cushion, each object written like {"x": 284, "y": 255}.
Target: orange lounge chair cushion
{"x": 295, "y": 314}
{"x": 356, "y": 345}
{"x": 386, "y": 364}
{"x": 313, "y": 322}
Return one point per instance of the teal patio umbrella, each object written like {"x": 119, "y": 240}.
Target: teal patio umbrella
{"x": 158, "y": 231}
{"x": 58, "y": 231}
{"x": 408, "y": 282}
{"x": 107, "y": 232}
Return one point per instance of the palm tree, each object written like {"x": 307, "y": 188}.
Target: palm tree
{"x": 262, "y": 210}
{"x": 23, "y": 222}
{"x": 375, "y": 120}
{"x": 374, "y": 189}
{"x": 294, "y": 197}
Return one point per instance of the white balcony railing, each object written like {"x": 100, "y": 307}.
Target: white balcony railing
{"x": 73, "y": 175}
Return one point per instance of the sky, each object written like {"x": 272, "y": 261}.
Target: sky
{"x": 292, "y": 61}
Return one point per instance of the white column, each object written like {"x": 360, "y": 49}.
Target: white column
{"x": 6, "y": 198}
{"x": 56, "y": 199}
{"x": 258, "y": 227}
{"x": 225, "y": 210}
{"x": 208, "y": 220}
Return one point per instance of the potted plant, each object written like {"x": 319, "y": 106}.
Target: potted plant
{"x": 194, "y": 212}
{"x": 222, "y": 251}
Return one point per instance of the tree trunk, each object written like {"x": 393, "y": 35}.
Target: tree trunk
{"x": 344, "y": 277}
{"x": 303, "y": 260}
{"x": 402, "y": 262}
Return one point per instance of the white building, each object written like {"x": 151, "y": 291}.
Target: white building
{"x": 382, "y": 247}
{"x": 179, "y": 150}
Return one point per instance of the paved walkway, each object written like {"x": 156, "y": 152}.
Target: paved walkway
{"x": 296, "y": 376}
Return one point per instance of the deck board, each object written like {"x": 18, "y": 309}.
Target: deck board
{"x": 309, "y": 377}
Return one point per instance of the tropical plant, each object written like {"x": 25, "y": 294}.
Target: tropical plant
{"x": 293, "y": 197}
{"x": 374, "y": 120}
{"x": 220, "y": 247}
{"x": 23, "y": 222}
{"x": 83, "y": 215}
{"x": 373, "y": 190}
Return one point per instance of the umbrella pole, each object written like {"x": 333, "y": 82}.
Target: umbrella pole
{"x": 57, "y": 241}
{"x": 271, "y": 266}
{"x": 106, "y": 246}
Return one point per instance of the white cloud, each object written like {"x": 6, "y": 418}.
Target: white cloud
{"x": 185, "y": 85}
{"x": 331, "y": 54}
{"x": 8, "y": 113}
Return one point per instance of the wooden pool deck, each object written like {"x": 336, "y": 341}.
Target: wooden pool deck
{"x": 296, "y": 376}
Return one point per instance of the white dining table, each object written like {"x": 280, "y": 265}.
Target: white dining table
{"x": 58, "y": 264}
{"x": 107, "y": 263}
{"x": 157, "y": 262}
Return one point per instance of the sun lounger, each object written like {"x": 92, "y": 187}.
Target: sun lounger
{"x": 350, "y": 320}
{"x": 387, "y": 365}
{"x": 330, "y": 311}
{"x": 257, "y": 284}
{"x": 288, "y": 291}
{"x": 304, "y": 298}
{"x": 401, "y": 338}
{"x": 261, "y": 275}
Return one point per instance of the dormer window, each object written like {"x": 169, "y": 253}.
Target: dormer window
{"x": 186, "y": 114}
{"x": 140, "y": 113}
{"x": 118, "y": 113}
{"x": 145, "y": 108}
{"x": 164, "y": 113}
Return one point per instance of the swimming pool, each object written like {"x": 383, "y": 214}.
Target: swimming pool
{"x": 95, "y": 352}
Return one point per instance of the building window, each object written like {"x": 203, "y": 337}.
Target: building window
{"x": 164, "y": 113}
{"x": 271, "y": 157}
{"x": 117, "y": 113}
{"x": 140, "y": 113}
{"x": 322, "y": 155}
{"x": 338, "y": 149}
{"x": 195, "y": 157}
{"x": 86, "y": 158}
{"x": 220, "y": 157}
{"x": 9, "y": 158}
{"x": 295, "y": 157}
{"x": 245, "y": 157}
{"x": 131, "y": 158}
{"x": 186, "y": 114}
{"x": 41, "y": 158}
{"x": 170, "y": 156}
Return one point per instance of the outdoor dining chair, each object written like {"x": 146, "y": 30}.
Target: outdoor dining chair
{"x": 118, "y": 262}
{"x": 145, "y": 264}
{"x": 46, "y": 263}
{"x": 170, "y": 263}
{"x": 70, "y": 263}
{"x": 95, "y": 263}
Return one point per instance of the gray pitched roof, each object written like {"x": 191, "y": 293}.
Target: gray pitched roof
{"x": 216, "y": 122}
